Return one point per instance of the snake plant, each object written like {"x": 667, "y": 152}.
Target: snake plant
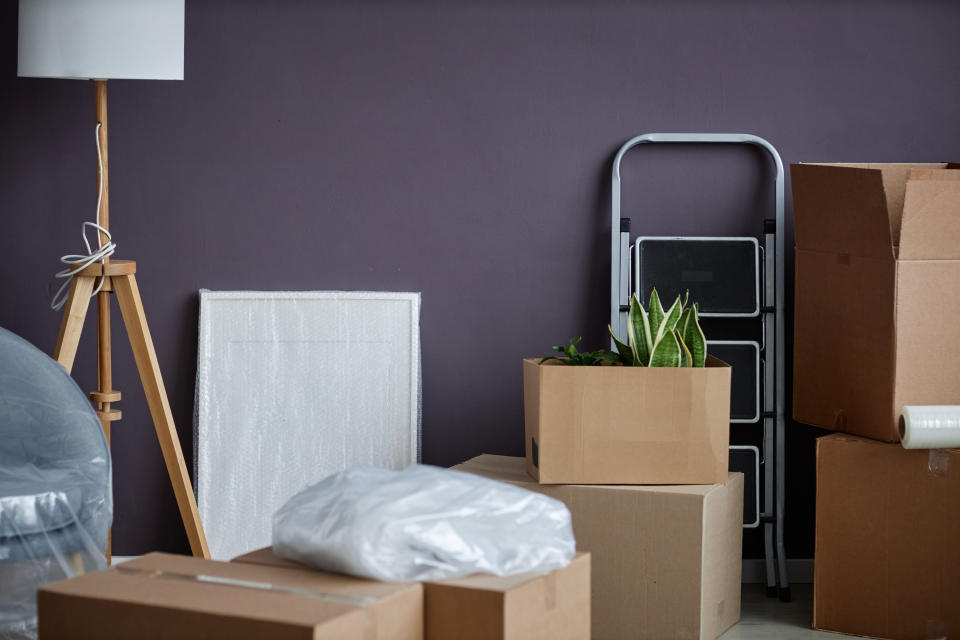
{"x": 655, "y": 338}
{"x": 662, "y": 338}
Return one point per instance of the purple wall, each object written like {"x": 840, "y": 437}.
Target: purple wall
{"x": 459, "y": 148}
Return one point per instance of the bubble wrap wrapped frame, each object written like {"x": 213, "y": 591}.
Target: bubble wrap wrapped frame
{"x": 291, "y": 387}
{"x": 422, "y": 523}
{"x": 56, "y": 504}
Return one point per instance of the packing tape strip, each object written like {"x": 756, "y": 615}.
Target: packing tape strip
{"x": 356, "y": 601}
{"x": 938, "y": 462}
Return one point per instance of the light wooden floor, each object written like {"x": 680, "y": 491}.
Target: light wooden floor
{"x": 763, "y": 618}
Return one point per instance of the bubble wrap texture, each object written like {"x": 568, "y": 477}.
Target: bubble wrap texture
{"x": 294, "y": 386}
{"x": 56, "y": 504}
{"x": 422, "y": 523}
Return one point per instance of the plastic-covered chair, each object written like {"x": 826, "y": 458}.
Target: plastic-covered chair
{"x": 56, "y": 503}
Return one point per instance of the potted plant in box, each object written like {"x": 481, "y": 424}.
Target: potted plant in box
{"x": 656, "y": 411}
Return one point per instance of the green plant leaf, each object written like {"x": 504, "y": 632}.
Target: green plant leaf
{"x": 694, "y": 339}
{"x": 656, "y": 315}
{"x": 667, "y": 352}
{"x": 603, "y": 355}
{"x": 625, "y": 352}
{"x": 687, "y": 357}
{"x": 571, "y": 349}
{"x": 684, "y": 321}
{"x": 638, "y": 332}
{"x": 670, "y": 320}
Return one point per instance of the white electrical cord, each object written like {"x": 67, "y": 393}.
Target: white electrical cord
{"x": 77, "y": 262}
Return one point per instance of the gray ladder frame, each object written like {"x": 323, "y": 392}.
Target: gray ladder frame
{"x": 773, "y": 322}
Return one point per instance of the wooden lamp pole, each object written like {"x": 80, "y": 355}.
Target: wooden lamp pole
{"x": 119, "y": 277}
{"x": 104, "y": 395}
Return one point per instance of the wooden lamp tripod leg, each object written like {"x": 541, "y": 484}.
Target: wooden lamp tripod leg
{"x": 128, "y": 296}
{"x": 74, "y": 313}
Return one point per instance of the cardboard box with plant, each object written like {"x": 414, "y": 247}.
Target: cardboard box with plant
{"x": 654, "y": 412}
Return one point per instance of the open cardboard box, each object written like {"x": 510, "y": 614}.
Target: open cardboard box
{"x": 877, "y": 293}
{"x": 626, "y": 425}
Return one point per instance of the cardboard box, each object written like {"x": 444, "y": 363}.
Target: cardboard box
{"x": 529, "y": 606}
{"x": 888, "y": 540}
{"x": 877, "y": 266}
{"x": 626, "y": 425}
{"x": 169, "y": 596}
{"x": 665, "y": 559}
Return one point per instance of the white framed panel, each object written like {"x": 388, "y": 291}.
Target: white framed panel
{"x": 294, "y": 386}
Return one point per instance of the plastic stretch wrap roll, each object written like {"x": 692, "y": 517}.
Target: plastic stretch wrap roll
{"x": 930, "y": 427}
{"x": 291, "y": 387}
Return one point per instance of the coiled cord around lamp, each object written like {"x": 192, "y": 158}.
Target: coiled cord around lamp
{"x": 77, "y": 262}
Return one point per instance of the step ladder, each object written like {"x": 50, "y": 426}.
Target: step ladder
{"x": 716, "y": 271}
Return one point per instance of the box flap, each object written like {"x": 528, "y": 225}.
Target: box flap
{"x": 931, "y": 216}
{"x": 214, "y": 589}
{"x": 850, "y": 208}
{"x": 851, "y": 389}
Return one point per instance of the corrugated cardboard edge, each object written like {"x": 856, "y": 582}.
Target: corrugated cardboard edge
{"x": 718, "y": 615}
{"x": 531, "y": 415}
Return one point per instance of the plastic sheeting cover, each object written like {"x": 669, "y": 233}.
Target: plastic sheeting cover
{"x": 293, "y": 386}
{"x": 422, "y": 523}
{"x": 56, "y": 504}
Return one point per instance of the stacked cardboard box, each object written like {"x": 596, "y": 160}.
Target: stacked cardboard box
{"x": 626, "y": 425}
{"x": 666, "y": 559}
{"x": 888, "y": 540}
{"x": 639, "y": 455}
{"x": 169, "y": 596}
{"x": 259, "y": 595}
{"x": 528, "y": 606}
{"x": 877, "y": 266}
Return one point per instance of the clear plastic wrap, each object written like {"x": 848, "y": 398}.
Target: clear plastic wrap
{"x": 422, "y": 523}
{"x": 56, "y": 505}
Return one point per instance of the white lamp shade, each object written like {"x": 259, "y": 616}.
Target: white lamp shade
{"x": 101, "y": 39}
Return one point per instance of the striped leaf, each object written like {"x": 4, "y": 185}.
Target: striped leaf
{"x": 656, "y": 315}
{"x": 687, "y": 356}
{"x": 694, "y": 339}
{"x": 670, "y": 319}
{"x": 626, "y": 353}
{"x": 638, "y": 332}
{"x": 667, "y": 353}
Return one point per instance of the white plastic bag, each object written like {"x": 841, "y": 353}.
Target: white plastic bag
{"x": 422, "y": 523}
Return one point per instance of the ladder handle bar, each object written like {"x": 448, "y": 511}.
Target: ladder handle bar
{"x": 701, "y": 138}
{"x": 698, "y": 138}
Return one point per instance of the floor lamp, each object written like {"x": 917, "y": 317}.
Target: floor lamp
{"x": 100, "y": 40}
